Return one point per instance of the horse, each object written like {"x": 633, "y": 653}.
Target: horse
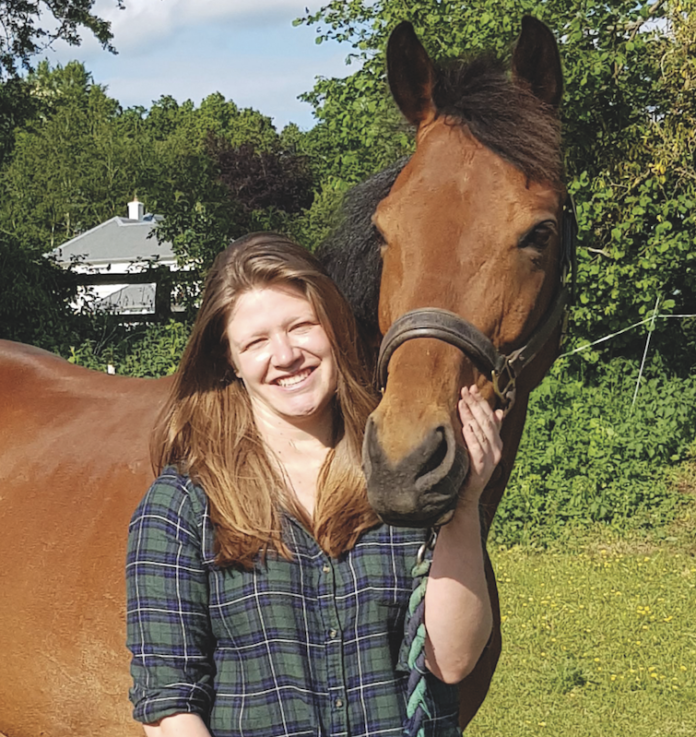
{"x": 468, "y": 228}
{"x": 475, "y": 239}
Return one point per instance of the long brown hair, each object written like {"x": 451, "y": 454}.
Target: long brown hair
{"x": 207, "y": 428}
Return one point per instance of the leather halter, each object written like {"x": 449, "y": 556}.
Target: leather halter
{"x": 501, "y": 369}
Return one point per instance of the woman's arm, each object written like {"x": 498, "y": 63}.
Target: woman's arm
{"x": 168, "y": 623}
{"x": 177, "y": 725}
{"x": 458, "y": 616}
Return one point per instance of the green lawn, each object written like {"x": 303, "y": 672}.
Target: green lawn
{"x": 599, "y": 640}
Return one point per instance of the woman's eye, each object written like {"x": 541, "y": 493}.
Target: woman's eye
{"x": 303, "y": 327}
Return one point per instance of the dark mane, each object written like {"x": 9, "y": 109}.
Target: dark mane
{"x": 351, "y": 253}
{"x": 502, "y": 114}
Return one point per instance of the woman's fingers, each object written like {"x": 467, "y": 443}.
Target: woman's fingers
{"x": 481, "y": 429}
{"x": 475, "y": 409}
{"x": 487, "y": 419}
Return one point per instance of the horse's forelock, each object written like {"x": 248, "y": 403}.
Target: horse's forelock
{"x": 503, "y": 114}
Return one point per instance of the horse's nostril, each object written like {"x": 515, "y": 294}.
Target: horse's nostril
{"x": 438, "y": 455}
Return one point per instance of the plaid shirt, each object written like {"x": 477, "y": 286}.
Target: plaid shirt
{"x": 302, "y": 647}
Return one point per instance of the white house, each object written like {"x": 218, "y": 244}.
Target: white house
{"x": 118, "y": 262}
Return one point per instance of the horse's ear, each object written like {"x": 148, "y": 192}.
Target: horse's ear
{"x": 411, "y": 74}
{"x": 537, "y": 61}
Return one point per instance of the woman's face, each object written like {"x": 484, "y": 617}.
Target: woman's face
{"x": 282, "y": 354}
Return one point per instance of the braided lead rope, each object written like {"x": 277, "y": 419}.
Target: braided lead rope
{"x": 416, "y": 705}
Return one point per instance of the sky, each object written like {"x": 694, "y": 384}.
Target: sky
{"x": 246, "y": 49}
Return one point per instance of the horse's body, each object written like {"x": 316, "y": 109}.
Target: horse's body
{"x": 75, "y": 463}
{"x": 457, "y": 224}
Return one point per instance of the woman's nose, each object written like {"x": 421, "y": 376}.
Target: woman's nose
{"x": 284, "y": 352}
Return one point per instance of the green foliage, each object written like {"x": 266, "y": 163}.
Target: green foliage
{"x": 35, "y": 299}
{"x": 587, "y": 456}
{"x": 22, "y": 37}
{"x": 637, "y": 208}
{"x": 17, "y": 105}
{"x": 70, "y": 169}
{"x": 181, "y": 179}
{"x": 144, "y": 351}
{"x": 80, "y": 158}
{"x": 314, "y": 225}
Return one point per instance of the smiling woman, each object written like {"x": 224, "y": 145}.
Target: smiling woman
{"x": 282, "y": 353}
{"x": 264, "y": 594}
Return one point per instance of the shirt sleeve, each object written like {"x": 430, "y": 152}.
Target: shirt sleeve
{"x": 169, "y": 632}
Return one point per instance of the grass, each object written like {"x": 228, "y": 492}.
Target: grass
{"x": 599, "y": 635}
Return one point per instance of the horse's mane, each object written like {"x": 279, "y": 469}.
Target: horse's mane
{"x": 501, "y": 112}
{"x": 351, "y": 253}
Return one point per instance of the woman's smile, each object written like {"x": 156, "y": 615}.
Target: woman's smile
{"x": 293, "y": 381}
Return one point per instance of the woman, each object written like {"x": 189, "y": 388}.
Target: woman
{"x": 264, "y": 596}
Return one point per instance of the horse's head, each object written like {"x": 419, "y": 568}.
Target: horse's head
{"x": 472, "y": 226}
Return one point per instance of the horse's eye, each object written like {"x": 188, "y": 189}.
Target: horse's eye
{"x": 539, "y": 236}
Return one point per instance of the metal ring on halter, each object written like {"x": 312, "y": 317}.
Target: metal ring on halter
{"x": 429, "y": 544}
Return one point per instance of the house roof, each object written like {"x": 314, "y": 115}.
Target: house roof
{"x": 119, "y": 240}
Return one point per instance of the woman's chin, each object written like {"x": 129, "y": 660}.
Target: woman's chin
{"x": 306, "y": 410}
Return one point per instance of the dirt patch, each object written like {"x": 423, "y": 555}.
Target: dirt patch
{"x": 685, "y": 481}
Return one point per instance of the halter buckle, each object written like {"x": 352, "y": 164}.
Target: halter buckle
{"x": 505, "y": 385}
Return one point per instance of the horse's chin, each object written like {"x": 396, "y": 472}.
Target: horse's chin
{"x": 415, "y": 520}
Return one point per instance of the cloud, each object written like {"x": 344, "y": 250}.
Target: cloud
{"x": 140, "y": 21}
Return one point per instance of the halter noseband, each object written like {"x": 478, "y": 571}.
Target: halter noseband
{"x": 501, "y": 369}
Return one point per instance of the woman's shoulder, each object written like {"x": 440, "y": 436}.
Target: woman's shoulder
{"x": 174, "y": 494}
{"x": 179, "y": 507}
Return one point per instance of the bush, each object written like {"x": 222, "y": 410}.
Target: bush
{"x": 588, "y": 456}
{"x": 35, "y": 296}
{"x": 152, "y": 350}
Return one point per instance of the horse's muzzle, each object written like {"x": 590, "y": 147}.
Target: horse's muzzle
{"x": 420, "y": 489}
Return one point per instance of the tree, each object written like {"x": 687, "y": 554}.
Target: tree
{"x": 23, "y": 37}
{"x": 35, "y": 298}
{"x": 72, "y": 166}
{"x": 182, "y": 179}
{"x": 33, "y": 293}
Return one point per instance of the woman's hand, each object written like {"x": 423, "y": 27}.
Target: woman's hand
{"x": 481, "y": 430}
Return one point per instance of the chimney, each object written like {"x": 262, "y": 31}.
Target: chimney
{"x": 135, "y": 210}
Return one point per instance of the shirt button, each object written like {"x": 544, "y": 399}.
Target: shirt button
{"x": 332, "y": 634}
{"x": 326, "y": 568}
{"x": 339, "y": 703}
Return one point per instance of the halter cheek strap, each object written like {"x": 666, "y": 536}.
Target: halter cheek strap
{"x": 501, "y": 369}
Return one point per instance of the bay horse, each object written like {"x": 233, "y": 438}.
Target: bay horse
{"x": 470, "y": 244}
{"x": 470, "y": 226}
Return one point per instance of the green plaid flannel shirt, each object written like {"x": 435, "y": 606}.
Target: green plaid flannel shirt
{"x": 293, "y": 648}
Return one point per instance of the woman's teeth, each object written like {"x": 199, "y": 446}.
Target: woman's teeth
{"x": 287, "y": 381}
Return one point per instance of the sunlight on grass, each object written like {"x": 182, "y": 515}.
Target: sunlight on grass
{"x": 597, "y": 641}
